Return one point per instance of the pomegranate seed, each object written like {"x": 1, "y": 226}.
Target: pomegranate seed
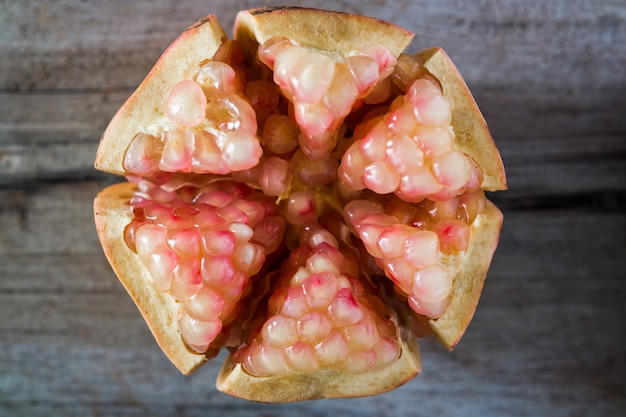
{"x": 332, "y": 351}
{"x": 310, "y": 77}
{"x": 198, "y": 334}
{"x": 453, "y": 234}
{"x": 301, "y": 357}
{"x": 217, "y": 79}
{"x": 280, "y": 332}
{"x": 186, "y": 104}
{"x": 301, "y": 208}
{"x": 275, "y": 176}
{"x": 280, "y": 134}
{"x": 176, "y": 156}
{"x": 364, "y": 71}
{"x": 143, "y": 155}
{"x": 344, "y": 308}
{"x": 264, "y": 98}
{"x": 432, "y": 284}
{"x": 205, "y": 305}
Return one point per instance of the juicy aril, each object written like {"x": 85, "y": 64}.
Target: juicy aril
{"x": 306, "y": 196}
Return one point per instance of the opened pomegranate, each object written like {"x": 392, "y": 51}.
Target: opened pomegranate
{"x": 305, "y": 195}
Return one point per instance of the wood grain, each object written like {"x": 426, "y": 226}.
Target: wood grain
{"x": 548, "y": 336}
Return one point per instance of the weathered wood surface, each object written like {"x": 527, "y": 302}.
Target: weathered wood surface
{"x": 548, "y": 337}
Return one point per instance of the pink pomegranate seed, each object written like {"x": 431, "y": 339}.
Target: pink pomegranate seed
{"x": 275, "y": 176}
{"x": 310, "y": 77}
{"x": 314, "y": 119}
{"x": 232, "y": 112}
{"x": 452, "y": 170}
{"x": 185, "y": 242}
{"x": 240, "y": 149}
{"x": 313, "y": 173}
{"x": 429, "y": 106}
{"x": 432, "y": 284}
{"x": 295, "y": 304}
{"x": 417, "y": 185}
{"x": 198, "y": 334}
{"x": 332, "y": 351}
{"x": 360, "y": 362}
{"x": 206, "y": 157}
{"x": 205, "y": 305}
{"x": 397, "y": 151}
{"x": 279, "y": 332}
{"x": 320, "y": 287}
{"x": 241, "y": 231}
{"x": 280, "y": 134}
{"x": 264, "y": 98}
{"x": 313, "y": 326}
{"x": 161, "y": 263}
{"x": 344, "y": 309}
{"x": 381, "y": 177}
{"x": 364, "y": 71}
{"x": 453, "y": 234}
{"x": 284, "y": 61}
{"x": 361, "y": 336}
{"x": 267, "y": 51}
{"x": 400, "y": 271}
{"x": 342, "y": 93}
{"x": 186, "y": 104}
{"x": 176, "y": 156}
{"x": 186, "y": 278}
{"x": 301, "y": 208}
{"x": 382, "y": 56}
{"x": 421, "y": 248}
{"x": 143, "y": 155}
{"x": 424, "y": 308}
{"x": 217, "y": 79}
{"x": 355, "y": 211}
{"x": 374, "y": 145}
{"x": 269, "y": 233}
{"x": 435, "y": 141}
{"x": 301, "y": 357}
{"x": 320, "y": 263}
{"x": 391, "y": 242}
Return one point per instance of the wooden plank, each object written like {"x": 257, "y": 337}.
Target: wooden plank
{"x": 48, "y": 218}
{"x": 547, "y": 337}
{"x": 529, "y": 44}
{"x": 549, "y": 145}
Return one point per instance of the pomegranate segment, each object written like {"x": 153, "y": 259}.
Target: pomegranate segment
{"x": 320, "y": 316}
{"x": 202, "y": 251}
{"x": 322, "y": 90}
{"x": 214, "y": 129}
{"x": 392, "y": 156}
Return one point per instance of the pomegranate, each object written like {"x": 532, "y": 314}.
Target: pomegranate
{"x": 307, "y": 196}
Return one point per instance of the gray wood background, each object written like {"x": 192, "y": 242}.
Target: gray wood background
{"x": 548, "y": 337}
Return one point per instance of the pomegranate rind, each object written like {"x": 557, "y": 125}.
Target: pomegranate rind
{"x": 113, "y": 213}
{"x": 469, "y": 281}
{"x": 337, "y": 34}
{"x": 321, "y": 384}
{"x": 472, "y": 134}
{"x": 144, "y": 108}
